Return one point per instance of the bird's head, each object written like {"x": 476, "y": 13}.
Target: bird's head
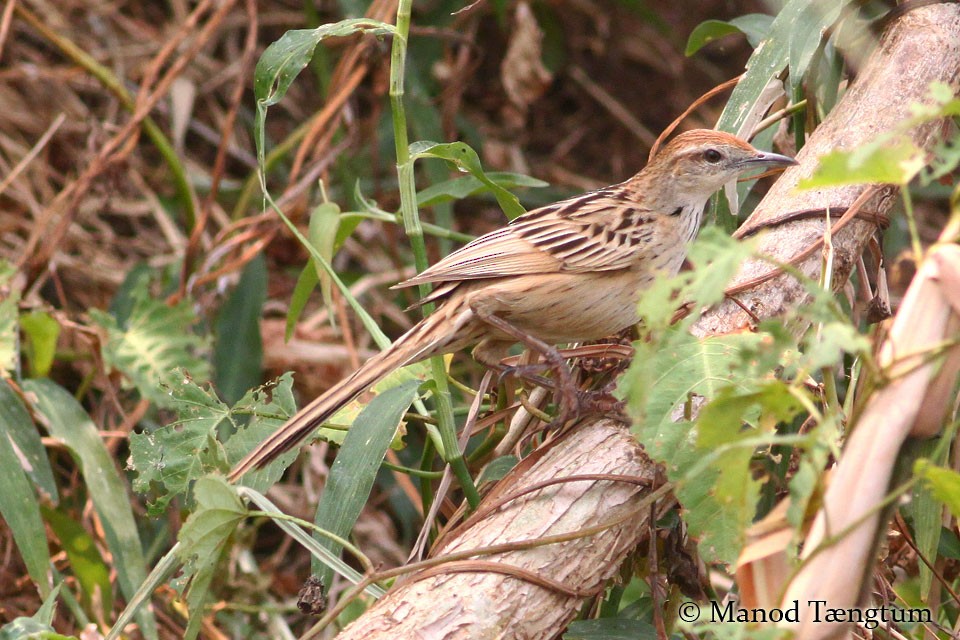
{"x": 701, "y": 161}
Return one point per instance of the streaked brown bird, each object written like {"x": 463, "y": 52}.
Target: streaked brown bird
{"x": 567, "y": 272}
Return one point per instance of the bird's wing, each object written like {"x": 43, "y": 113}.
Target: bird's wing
{"x": 596, "y": 231}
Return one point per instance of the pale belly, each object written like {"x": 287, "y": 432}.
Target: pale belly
{"x": 564, "y": 307}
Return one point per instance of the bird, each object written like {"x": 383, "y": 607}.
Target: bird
{"x": 566, "y": 272}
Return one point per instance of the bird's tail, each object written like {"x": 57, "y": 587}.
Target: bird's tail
{"x": 428, "y": 337}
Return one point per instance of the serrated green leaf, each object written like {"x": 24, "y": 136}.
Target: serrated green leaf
{"x": 721, "y": 421}
{"x": 661, "y": 378}
{"x": 883, "y": 161}
{"x": 238, "y": 351}
{"x": 21, "y": 511}
{"x": 67, "y": 421}
{"x": 716, "y": 258}
{"x": 827, "y": 346}
{"x": 355, "y": 468}
{"x": 466, "y": 159}
{"x": 86, "y": 563}
{"x": 203, "y": 539}
{"x": 468, "y": 186}
{"x": 42, "y": 332}
{"x": 156, "y": 340}
{"x": 16, "y": 423}
{"x": 720, "y": 503}
{"x": 268, "y": 406}
{"x": 167, "y": 459}
{"x": 170, "y": 458}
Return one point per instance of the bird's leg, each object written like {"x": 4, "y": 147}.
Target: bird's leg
{"x": 565, "y": 386}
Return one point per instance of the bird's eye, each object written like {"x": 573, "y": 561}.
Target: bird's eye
{"x": 712, "y": 156}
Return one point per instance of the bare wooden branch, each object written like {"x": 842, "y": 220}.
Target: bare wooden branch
{"x": 921, "y": 47}
{"x": 490, "y": 604}
{"x": 917, "y": 49}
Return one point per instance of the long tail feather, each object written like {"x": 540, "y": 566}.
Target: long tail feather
{"x": 425, "y": 339}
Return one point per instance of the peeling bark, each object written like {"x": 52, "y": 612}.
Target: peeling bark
{"x": 495, "y": 605}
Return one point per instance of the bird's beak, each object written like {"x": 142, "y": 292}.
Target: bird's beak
{"x": 769, "y": 159}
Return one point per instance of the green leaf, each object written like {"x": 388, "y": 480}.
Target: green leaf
{"x": 807, "y": 482}
{"x": 8, "y": 325}
{"x": 772, "y": 55}
{"x": 497, "y": 469}
{"x": 347, "y": 415}
{"x": 765, "y": 404}
{"x": 715, "y": 488}
{"x": 37, "y": 627}
{"x": 67, "y": 421}
{"x": 21, "y": 511}
{"x": 926, "y": 514}
{"x": 42, "y": 332}
{"x": 86, "y": 563}
{"x": 170, "y": 458}
{"x": 322, "y": 233}
{"x": 203, "y": 539}
{"x": 15, "y": 422}
{"x": 886, "y": 160}
{"x": 306, "y": 283}
{"x": 354, "y": 470}
{"x": 949, "y": 546}
{"x": 805, "y": 39}
{"x": 466, "y": 159}
{"x": 943, "y": 483}
{"x": 238, "y": 352}
{"x": 285, "y": 58}
{"x": 716, "y": 258}
{"x": 268, "y": 406}
{"x": 610, "y": 629}
{"x": 156, "y": 340}
{"x": 945, "y": 160}
{"x": 753, "y": 25}
{"x": 827, "y": 346}
{"x": 942, "y": 102}
{"x": 468, "y": 186}
{"x": 706, "y": 32}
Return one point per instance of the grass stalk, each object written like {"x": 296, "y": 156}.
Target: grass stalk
{"x": 411, "y": 224}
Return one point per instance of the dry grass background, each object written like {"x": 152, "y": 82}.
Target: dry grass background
{"x": 126, "y": 139}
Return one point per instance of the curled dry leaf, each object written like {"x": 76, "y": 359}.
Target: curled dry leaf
{"x": 522, "y": 72}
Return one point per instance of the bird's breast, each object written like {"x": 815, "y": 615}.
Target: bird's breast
{"x": 564, "y": 307}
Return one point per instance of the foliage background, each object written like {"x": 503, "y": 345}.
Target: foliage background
{"x": 100, "y": 225}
